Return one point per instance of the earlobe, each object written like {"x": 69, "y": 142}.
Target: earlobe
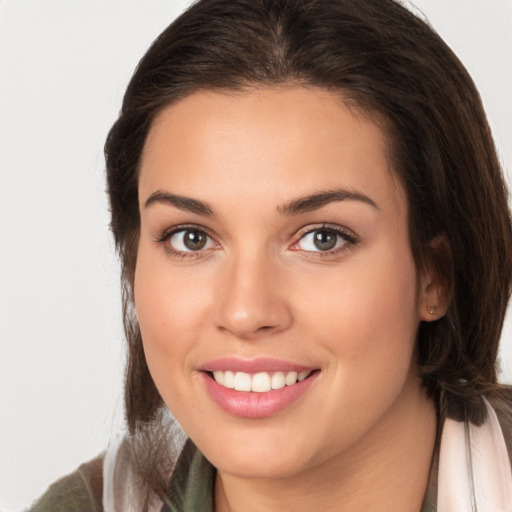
{"x": 435, "y": 290}
{"x": 434, "y": 299}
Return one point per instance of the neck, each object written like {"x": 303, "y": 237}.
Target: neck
{"x": 388, "y": 469}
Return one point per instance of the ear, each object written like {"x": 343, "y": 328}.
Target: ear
{"x": 434, "y": 287}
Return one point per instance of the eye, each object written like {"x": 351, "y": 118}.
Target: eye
{"x": 188, "y": 240}
{"x": 323, "y": 240}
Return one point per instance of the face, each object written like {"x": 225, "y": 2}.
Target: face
{"x": 275, "y": 288}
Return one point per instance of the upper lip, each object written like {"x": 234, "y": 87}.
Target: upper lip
{"x": 236, "y": 364}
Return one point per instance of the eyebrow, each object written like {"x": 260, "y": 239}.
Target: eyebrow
{"x": 294, "y": 207}
{"x": 322, "y": 198}
{"x": 181, "y": 202}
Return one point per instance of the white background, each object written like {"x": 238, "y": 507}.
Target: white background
{"x": 63, "y": 67}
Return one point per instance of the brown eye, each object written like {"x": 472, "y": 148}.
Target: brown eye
{"x": 323, "y": 240}
{"x": 187, "y": 240}
{"x": 194, "y": 240}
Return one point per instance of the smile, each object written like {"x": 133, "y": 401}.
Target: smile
{"x": 261, "y": 382}
{"x": 256, "y": 388}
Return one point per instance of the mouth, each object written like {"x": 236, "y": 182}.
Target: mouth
{"x": 256, "y": 389}
{"x": 260, "y": 382}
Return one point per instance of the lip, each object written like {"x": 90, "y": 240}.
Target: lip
{"x": 235, "y": 364}
{"x": 250, "y": 404}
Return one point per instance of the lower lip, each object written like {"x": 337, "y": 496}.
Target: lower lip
{"x": 250, "y": 404}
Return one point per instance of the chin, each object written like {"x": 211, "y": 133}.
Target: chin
{"x": 246, "y": 456}
{"x": 263, "y": 468}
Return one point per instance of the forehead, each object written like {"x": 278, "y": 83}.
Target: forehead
{"x": 266, "y": 142}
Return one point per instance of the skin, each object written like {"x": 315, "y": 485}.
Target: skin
{"x": 362, "y": 436}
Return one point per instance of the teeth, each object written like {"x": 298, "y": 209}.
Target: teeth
{"x": 242, "y": 381}
{"x": 228, "y": 381}
{"x": 261, "y": 382}
{"x": 278, "y": 380}
{"x": 219, "y": 377}
{"x": 291, "y": 378}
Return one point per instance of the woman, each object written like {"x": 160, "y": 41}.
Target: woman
{"x": 316, "y": 252}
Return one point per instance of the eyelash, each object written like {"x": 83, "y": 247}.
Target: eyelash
{"x": 350, "y": 240}
{"x": 166, "y": 235}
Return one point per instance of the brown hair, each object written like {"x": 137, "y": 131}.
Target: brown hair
{"x": 385, "y": 60}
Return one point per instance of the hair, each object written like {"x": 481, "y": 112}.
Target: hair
{"x": 390, "y": 64}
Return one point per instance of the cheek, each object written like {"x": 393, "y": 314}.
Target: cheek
{"x": 366, "y": 316}
{"x": 170, "y": 311}
{"x": 165, "y": 299}
{"x": 370, "y": 331}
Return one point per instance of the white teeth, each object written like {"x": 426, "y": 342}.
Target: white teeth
{"x": 291, "y": 378}
{"x": 278, "y": 380}
{"x": 261, "y": 382}
{"x": 219, "y": 376}
{"x": 242, "y": 381}
{"x": 229, "y": 380}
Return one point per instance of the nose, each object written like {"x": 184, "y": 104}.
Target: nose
{"x": 250, "y": 300}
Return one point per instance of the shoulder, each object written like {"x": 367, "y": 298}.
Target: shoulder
{"x": 80, "y": 491}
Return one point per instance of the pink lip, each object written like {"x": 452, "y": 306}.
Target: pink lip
{"x": 249, "y": 404}
{"x": 236, "y": 364}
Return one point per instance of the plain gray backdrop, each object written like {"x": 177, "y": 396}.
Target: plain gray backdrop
{"x": 63, "y": 67}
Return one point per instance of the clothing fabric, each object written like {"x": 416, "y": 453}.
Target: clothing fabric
{"x": 471, "y": 472}
{"x": 81, "y": 491}
{"x": 474, "y": 468}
